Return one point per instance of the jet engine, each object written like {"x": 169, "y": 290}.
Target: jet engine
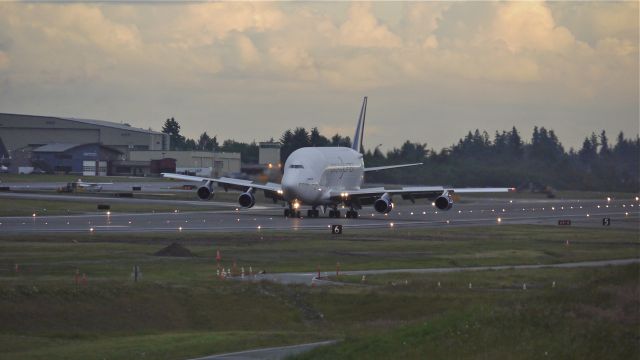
{"x": 205, "y": 192}
{"x": 444, "y": 202}
{"x": 246, "y": 200}
{"x": 383, "y": 204}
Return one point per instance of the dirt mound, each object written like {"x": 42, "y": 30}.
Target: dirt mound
{"x": 174, "y": 249}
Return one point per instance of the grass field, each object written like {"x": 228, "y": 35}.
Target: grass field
{"x": 181, "y": 310}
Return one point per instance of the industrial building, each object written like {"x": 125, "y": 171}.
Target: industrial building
{"x": 269, "y": 153}
{"x": 86, "y": 159}
{"x": 97, "y": 147}
{"x": 19, "y": 131}
{"x": 201, "y": 163}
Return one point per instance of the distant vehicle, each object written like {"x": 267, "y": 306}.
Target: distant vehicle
{"x": 327, "y": 177}
{"x": 4, "y": 169}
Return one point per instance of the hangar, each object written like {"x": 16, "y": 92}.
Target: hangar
{"x": 19, "y": 131}
{"x": 86, "y": 159}
{"x": 98, "y": 147}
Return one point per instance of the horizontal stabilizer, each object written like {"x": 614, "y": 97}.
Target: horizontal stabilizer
{"x": 390, "y": 167}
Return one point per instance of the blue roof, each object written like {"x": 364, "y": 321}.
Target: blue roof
{"x": 62, "y": 147}
{"x": 55, "y": 147}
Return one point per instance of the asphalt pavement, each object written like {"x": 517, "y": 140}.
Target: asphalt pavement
{"x": 479, "y": 211}
{"x": 308, "y": 278}
{"x": 272, "y": 353}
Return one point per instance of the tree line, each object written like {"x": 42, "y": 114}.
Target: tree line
{"x": 477, "y": 159}
{"x": 248, "y": 152}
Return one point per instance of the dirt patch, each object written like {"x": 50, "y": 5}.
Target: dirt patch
{"x": 174, "y": 249}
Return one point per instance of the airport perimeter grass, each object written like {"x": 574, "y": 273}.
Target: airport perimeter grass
{"x": 180, "y": 309}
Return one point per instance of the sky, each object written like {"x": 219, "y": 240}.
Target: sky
{"x": 248, "y": 71}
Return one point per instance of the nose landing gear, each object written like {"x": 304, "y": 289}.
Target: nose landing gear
{"x": 291, "y": 213}
{"x": 352, "y": 214}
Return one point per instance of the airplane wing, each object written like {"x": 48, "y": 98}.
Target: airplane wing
{"x": 390, "y": 167}
{"x": 368, "y": 196}
{"x": 271, "y": 190}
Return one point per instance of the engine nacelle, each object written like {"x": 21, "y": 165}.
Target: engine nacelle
{"x": 444, "y": 202}
{"x": 384, "y": 204}
{"x": 246, "y": 200}
{"x": 205, "y": 192}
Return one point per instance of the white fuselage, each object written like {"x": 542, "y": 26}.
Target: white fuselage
{"x": 311, "y": 173}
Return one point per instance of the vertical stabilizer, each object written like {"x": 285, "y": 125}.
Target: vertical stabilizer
{"x": 357, "y": 138}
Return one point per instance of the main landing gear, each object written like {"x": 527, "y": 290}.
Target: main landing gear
{"x": 351, "y": 214}
{"x": 313, "y": 213}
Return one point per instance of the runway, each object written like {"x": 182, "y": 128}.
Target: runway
{"x": 144, "y": 184}
{"x": 478, "y": 211}
{"x": 101, "y": 198}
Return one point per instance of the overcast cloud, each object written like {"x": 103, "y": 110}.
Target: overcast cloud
{"x": 248, "y": 71}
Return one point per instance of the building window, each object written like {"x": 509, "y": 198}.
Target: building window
{"x": 63, "y": 156}
{"x": 218, "y": 164}
{"x": 50, "y": 122}
{"x": 126, "y": 134}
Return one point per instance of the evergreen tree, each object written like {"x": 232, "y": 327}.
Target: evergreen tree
{"x": 287, "y": 145}
{"x": 316, "y": 139}
{"x": 589, "y": 150}
{"x": 515, "y": 143}
{"x": 604, "y": 145}
{"x": 204, "y": 142}
{"x": 300, "y": 138}
{"x": 172, "y": 127}
{"x": 189, "y": 145}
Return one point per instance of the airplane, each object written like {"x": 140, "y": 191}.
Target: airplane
{"x": 88, "y": 186}
{"x": 329, "y": 177}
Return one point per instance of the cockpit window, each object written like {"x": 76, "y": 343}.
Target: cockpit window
{"x": 293, "y": 166}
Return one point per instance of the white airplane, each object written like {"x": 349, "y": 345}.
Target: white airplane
{"x": 89, "y": 186}
{"x": 329, "y": 177}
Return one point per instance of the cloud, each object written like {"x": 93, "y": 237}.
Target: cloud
{"x": 362, "y": 29}
{"x": 529, "y": 26}
{"x": 594, "y": 21}
{"x": 192, "y": 55}
{"x": 4, "y": 60}
{"x": 421, "y": 22}
{"x": 79, "y": 24}
{"x": 248, "y": 54}
{"x": 204, "y": 24}
{"x": 294, "y": 61}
